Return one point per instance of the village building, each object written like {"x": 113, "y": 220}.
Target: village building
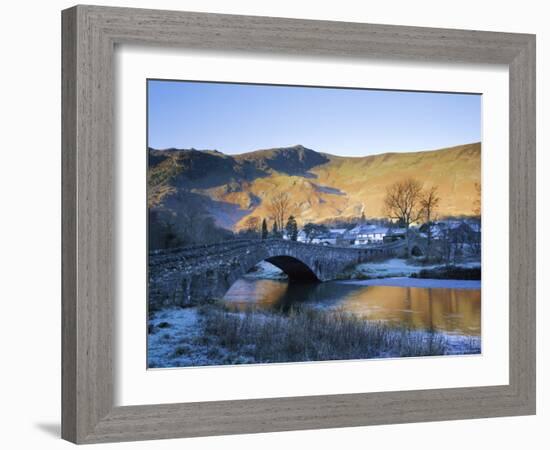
{"x": 368, "y": 234}
{"x": 395, "y": 234}
{"x": 330, "y": 238}
{"x": 302, "y": 236}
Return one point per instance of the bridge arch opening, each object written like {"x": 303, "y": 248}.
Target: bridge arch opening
{"x": 295, "y": 269}
{"x": 265, "y": 283}
{"x": 417, "y": 251}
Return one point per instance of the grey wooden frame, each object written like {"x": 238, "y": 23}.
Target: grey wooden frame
{"x": 89, "y": 37}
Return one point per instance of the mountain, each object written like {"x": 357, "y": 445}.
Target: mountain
{"x": 320, "y": 186}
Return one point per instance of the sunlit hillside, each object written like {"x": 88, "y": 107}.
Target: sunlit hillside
{"x": 320, "y": 186}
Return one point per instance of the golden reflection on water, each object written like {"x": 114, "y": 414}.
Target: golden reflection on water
{"x": 450, "y": 310}
{"x": 456, "y": 311}
{"x": 263, "y": 293}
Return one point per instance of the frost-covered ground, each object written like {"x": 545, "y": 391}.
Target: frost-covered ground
{"x": 177, "y": 338}
{"x": 417, "y": 282}
{"x": 458, "y": 344}
{"x": 212, "y": 335}
{"x": 182, "y": 337}
{"x": 395, "y": 268}
{"x": 174, "y": 339}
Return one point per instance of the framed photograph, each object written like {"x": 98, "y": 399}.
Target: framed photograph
{"x": 268, "y": 222}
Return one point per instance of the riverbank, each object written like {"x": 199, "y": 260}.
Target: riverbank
{"x": 417, "y": 283}
{"x": 400, "y": 268}
{"x": 390, "y": 268}
{"x": 213, "y": 334}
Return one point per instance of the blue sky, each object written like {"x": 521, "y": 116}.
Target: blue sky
{"x": 237, "y": 118}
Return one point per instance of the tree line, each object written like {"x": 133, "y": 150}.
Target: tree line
{"x": 253, "y": 227}
{"x": 407, "y": 202}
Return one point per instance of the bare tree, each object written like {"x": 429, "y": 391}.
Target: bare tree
{"x": 429, "y": 204}
{"x": 403, "y": 203}
{"x": 252, "y": 224}
{"x": 279, "y": 208}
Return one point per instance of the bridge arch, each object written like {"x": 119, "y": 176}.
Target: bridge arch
{"x": 195, "y": 274}
{"x": 295, "y": 269}
{"x": 298, "y": 272}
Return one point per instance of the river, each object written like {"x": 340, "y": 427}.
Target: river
{"x": 449, "y": 310}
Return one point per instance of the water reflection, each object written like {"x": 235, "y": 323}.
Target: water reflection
{"x": 454, "y": 311}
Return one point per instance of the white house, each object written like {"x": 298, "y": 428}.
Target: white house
{"x": 369, "y": 234}
{"x": 328, "y": 239}
{"x": 338, "y": 230}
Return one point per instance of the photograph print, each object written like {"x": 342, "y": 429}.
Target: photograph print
{"x": 294, "y": 224}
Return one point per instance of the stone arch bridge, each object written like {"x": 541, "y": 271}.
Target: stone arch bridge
{"x": 192, "y": 275}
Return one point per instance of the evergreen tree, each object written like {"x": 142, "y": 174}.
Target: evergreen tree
{"x": 264, "y": 229}
{"x": 292, "y": 228}
{"x": 275, "y": 230}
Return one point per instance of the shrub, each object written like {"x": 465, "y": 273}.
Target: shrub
{"x": 306, "y": 334}
{"x": 451, "y": 273}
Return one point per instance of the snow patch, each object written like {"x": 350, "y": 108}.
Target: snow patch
{"x": 395, "y": 267}
{"x": 172, "y": 339}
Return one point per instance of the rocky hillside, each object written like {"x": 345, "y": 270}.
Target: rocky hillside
{"x": 321, "y": 186}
